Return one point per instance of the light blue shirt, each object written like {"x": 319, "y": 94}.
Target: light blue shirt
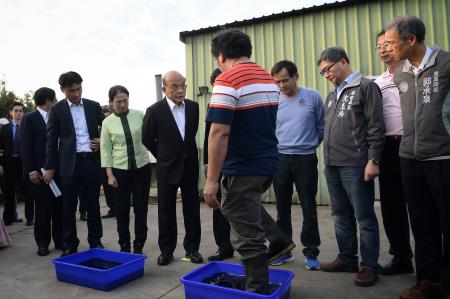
{"x": 14, "y": 126}
{"x": 80, "y": 125}
{"x": 344, "y": 83}
{"x": 300, "y": 122}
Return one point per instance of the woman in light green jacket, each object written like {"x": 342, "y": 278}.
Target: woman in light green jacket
{"x": 128, "y": 167}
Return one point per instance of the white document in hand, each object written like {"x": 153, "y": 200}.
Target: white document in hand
{"x": 53, "y": 186}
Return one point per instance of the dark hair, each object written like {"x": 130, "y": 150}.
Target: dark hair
{"x": 43, "y": 95}
{"x": 113, "y": 91}
{"x": 284, "y": 64}
{"x": 231, "y": 43}
{"x": 106, "y": 109}
{"x": 333, "y": 54}
{"x": 69, "y": 79}
{"x": 406, "y": 26}
{"x": 214, "y": 75}
{"x": 14, "y": 104}
{"x": 381, "y": 33}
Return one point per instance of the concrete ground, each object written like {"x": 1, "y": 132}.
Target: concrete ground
{"x": 24, "y": 275}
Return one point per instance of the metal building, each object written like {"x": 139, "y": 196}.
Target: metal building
{"x": 300, "y": 35}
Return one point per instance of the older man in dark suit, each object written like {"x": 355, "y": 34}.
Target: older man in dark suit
{"x": 73, "y": 145}
{"x": 169, "y": 131}
{"x": 11, "y": 168}
{"x": 33, "y": 132}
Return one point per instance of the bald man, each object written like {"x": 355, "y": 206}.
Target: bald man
{"x": 168, "y": 131}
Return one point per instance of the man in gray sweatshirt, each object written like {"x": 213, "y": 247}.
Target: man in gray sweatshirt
{"x": 424, "y": 83}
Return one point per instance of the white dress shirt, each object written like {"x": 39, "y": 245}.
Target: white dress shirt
{"x": 417, "y": 70}
{"x": 80, "y": 125}
{"x": 179, "y": 114}
{"x": 43, "y": 113}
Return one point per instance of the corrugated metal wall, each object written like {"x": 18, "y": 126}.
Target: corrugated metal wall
{"x": 302, "y": 38}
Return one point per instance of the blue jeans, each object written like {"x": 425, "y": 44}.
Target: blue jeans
{"x": 352, "y": 201}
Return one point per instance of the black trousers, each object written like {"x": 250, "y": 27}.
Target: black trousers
{"x": 427, "y": 190}
{"x": 13, "y": 180}
{"x": 135, "y": 183}
{"x": 49, "y": 216}
{"x": 167, "y": 217}
{"x": 221, "y": 228}
{"x": 108, "y": 191}
{"x": 86, "y": 178}
{"x": 393, "y": 202}
{"x": 301, "y": 171}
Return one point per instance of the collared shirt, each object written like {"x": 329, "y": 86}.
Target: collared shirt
{"x": 391, "y": 104}
{"x": 80, "y": 125}
{"x": 179, "y": 114}
{"x": 344, "y": 83}
{"x": 14, "y": 127}
{"x": 43, "y": 113}
{"x": 417, "y": 70}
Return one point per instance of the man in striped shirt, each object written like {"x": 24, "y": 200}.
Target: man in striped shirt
{"x": 242, "y": 144}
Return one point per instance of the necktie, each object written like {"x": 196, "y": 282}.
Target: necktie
{"x": 16, "y": 151}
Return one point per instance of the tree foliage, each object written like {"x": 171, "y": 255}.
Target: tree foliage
{"x": 7, "y": 97}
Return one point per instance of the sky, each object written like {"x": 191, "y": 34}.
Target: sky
{"x": 110, "y": 42}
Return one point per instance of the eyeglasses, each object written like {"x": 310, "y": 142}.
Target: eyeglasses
{"x": 121, "y": 102}
{"x": 327, "y": 69}
{"x": 176, "y": 87}
{"x": 379, "y": 47}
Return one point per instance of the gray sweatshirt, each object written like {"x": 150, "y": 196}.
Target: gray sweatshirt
{"x": 425, "y": 136}
{"x": 354, "y": 124}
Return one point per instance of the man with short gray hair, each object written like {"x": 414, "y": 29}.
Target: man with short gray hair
{"x": 353, "y": 142}
{"x": 424, "y": 84}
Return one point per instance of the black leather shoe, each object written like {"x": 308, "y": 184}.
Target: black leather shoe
{"x": 42, "y": 251}
{"x": 29, "y": 223}
{"x": 18, "y": 220}
{"x": 8, "y": 223}
{"x": 125, "y": 247}
{"x": 69, "y": 251}
{"x": 195, "y": 257}
{"x": 138, "y": 247}
{"x": 59, "y": 246}
{"x": 83, "y": 216}
{"x": 99, "y": 245}
{"x": 221, "y": 255}
{"x": 164, "y": 260}
{"x": 110, "y": 214}
{"x": 396, "y": 266}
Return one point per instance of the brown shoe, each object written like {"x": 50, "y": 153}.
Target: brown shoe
{"x": 339, "y": 266}
{"x": 366, "y": 277}
{"x": 423, "y": 289}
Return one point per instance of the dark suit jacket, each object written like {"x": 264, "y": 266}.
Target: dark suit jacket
{"x": 6, "y": 144}
{"x": 33, "y": 138}
{"x": 61, "y": 139}
{"x": 161, "y": 136}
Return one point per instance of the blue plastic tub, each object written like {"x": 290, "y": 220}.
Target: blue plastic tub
{"x": 68, "y": 269}
{"x": 195, "y": 289}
